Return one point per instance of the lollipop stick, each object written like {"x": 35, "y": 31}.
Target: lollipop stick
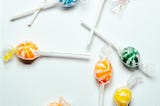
{"x": 101, "y": 94}
{"x": 24, "y": 14}
{"x": 35, "y": 15}
{"x": 44, "y": 6}
{"x": 96, "y": 21}
{"x": 84, "y": 56}
{"x": 101, "y": 36}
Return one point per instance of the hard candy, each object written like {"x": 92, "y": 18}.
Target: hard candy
{"x": 103, "y": 71}
{"x": 122, "y": 96}
{"x": 130, "y": 57}
{"x": 27, "y": 50}
{"x": 68, "y": 3}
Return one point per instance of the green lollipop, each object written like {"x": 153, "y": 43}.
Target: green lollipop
{"x": 130, "y": 57}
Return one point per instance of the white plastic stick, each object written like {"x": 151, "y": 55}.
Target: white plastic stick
{"x": 35, "y": 16}
{"x": 44, "y": 6}
{"x": 85, "y": 56}
{"x": 100, "y": 8}
{"x": 101, "y": 94}
{"x": 101, "y": 36}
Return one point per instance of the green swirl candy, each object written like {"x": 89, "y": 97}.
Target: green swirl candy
{"x": 130, "y": 57}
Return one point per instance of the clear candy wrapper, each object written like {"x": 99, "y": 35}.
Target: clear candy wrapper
{"x": 29, "y": 51}
{"x": 8, "y": 53}
{"x": 118, "y": 5}
{"x": 123, "y": 95}
{"x": 106, "y": 52}
{"x": 103, "y": 73}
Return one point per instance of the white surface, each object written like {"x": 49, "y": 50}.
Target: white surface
{"x": 58, "y": 29}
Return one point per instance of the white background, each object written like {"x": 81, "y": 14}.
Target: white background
{"x": 58, "y": 29}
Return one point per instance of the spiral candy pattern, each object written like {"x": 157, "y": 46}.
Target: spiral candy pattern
{"x": 103, "y": 71}
{"x": 27, "y": 50}
{"x": 130, "y": 57}
{"x": 68, "y": 3}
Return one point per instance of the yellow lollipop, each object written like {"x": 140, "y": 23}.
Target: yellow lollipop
{"x": 122, "y": 96}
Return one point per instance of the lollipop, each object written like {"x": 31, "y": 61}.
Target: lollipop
{"x": 60, "y": 102}
{"x": 123, "y": 95}
{"x": 30, "y": 51}
{"x": 45, "y": 5}
{"x": 103, "y": 74}
{"x": 129, "y": 56}
{"x": 102, "y": 2}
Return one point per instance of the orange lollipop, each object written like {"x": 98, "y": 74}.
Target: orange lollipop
{"x": 103, "y": 71}
{"x": 103, "y": 74}
{"x": 29, "y": 51}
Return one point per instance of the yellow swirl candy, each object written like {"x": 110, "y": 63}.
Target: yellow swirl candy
{"x": 122, "y": 96}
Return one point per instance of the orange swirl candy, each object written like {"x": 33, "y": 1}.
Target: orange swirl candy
{"x": 55, "y": 104}
{"x": 103, "y": 71}
{"x": 27, "y": 50}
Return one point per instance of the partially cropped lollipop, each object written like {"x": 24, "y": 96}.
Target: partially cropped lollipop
{"x": 46, "y": 4}
{"x": 103, "y": 74}
{"x": 129, "y": 56}
{"x": 29, "y": 51}
{"x": 123, "y": 95}
{"x": 60, "y": 102}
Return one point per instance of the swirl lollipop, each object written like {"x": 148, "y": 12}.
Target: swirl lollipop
{"x": 45, "y": 5}
{"x": 103, "y": 74}
{"x": 129, "y": 56}
{"x": 30, "y": 51}
{"x": 123, "y": 95}
{"x": 60, "y": 102}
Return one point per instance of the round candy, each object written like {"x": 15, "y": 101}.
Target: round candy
{"x": 103, "y": 71}
{"x": 27, "y": 50}
{"x": 122, "y": 96}
{"x": 130, "y": 57}
{"x": 68, "y": 3}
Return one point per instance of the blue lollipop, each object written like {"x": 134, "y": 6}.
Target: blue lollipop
{"x": 68, "y": 3}
{"x": 46, "y": 4}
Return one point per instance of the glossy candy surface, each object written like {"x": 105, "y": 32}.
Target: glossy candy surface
{"x": 103, "y": 71}
{"x": 68, "y": 3}
{"x": 130, "y": 57}
{"x": 122, "y": 96}
{"x": 55, "y": 104}
{"x": 27, "y": 50}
